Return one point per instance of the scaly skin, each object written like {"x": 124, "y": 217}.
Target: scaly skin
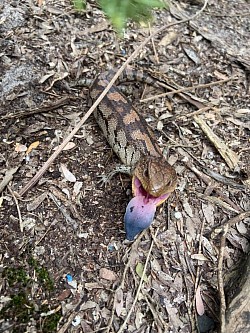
{"x": 132, "y": 140}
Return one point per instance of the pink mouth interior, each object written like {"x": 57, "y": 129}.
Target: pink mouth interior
{"x": 147, "y": 198}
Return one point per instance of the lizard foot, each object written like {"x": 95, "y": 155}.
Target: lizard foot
{"x": 106, "y": 178}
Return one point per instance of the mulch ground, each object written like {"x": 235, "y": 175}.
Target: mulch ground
{"x": 65, "y": 266}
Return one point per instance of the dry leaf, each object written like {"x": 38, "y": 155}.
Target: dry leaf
{"x": 7, "y": 177}
{"x": 241, "y": 227}
{"x": 138, "y": 319}
{"x": 209, "y": 248}
{"x": 208, "y": 211}
{"x": 178, "y": 282}
{"x": 77, "y": 188}
{"x": 155, "y": 266}
{"x": 118, "y": 301}
{"x": 67, "y": 174}
{"x": 190, "y": 227}
{"x": 191, "y": 54}
{"x": 199, "y": 302}
{"x": 32, "y": 146}
{"x": 139, "y": 270}
{"x": 68, "y": 146}
{"x": 173, "y": 316}
{"x": 188, "y": 208}
{"x": 107, "y": 274}
{"x": 88, "y": 305}
{"x": 46, "y": 77}
{"x": 19, "y": 148}
{"x": 36, "y": 202}
{"x": 168, "y": 39}
{"x": 160, "y": 125}
{"x": 58, "y": 77}
{"x": 220, "y": 75}
{"x": 198, "y": 256}
{"x": 86, "y": 327}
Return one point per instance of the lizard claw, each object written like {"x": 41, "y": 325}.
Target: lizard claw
{"x": 106, "y": 178}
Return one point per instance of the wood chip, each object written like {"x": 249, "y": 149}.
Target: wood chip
{"x": 230, "y": 157}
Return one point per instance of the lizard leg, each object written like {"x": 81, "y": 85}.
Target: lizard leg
{"x": 106, "y": 178}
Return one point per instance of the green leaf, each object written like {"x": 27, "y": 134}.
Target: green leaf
{"x": 139, "y": 270}
{"x": 120, "y": 11}
{"x": 79, "y": 5}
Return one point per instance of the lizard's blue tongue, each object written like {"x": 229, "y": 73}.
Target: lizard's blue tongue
{"x": 139, "y": 215}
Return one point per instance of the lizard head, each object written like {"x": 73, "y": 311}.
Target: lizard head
{"x": 153, "y": 181}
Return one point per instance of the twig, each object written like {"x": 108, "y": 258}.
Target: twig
{"x": 199, "y": 252}
{"x": 82, "y": 121}
{"x": 53, "y": 106}
{"x": 212, "y": 184}
{"x": 139, "y": 287}
{"x": 230, "y": 157}
{"x": 153, "y": 45}
{"x": 216, "y": 201}
{"x": 7, "y": 178}
{"x": 231, "y": 222}
{"x": 224, "y": 231}
{"x": 220, "y": 280}
{"x": 199, "y": 111}
{"x": 159, "y": 321}
{"x": 64, "y": 328}
{"x": 63, "y": 210}
{"x": 134, "y": 245}
{"x": 181, "y": 250}
{"x": 17, "y": 207}
{"x": 172, "y": 92}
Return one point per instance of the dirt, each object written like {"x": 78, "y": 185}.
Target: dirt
{"x": 63, "y": 230}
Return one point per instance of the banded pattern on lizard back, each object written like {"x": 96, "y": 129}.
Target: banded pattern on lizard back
{"x": 153, "y": 178}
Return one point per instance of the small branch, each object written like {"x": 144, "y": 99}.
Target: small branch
{"x": 230, "y": 223}
{"x": 17, "y": 207}
{"x": 206, "y": 85}
{"x": 139, "y": 287}
{"x": 220, "y": 280}
{"x": 26, "y": 113}
{"x": 212, "y": 184}
{"x": 230, "y": 157}
{"x": 121, "y": 286}
{"x": 7, "y": 178}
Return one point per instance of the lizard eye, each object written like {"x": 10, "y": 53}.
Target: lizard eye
{"x": 145, "y": 173}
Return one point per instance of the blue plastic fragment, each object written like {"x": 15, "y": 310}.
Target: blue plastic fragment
{"x": 111, "y": 248}
{"x": 69, "y": 278}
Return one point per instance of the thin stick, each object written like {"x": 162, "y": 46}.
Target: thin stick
{"x": 17, "y": 207}
{"x": 230, "y": 223}
{"x": 139, "y": 287}
{"x": 153, "y": 45}
{"x": 220, "y": 280}
{"x": 198, "y": 270}
{"x": 172, "y": 92}
{"x": 121, "y": 286}
{"x": 51, "y": 159}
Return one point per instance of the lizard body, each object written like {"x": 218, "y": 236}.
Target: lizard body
{"x": 153, "y": 178}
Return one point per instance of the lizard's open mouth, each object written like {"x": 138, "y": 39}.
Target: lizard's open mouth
{"x": 138, "y": 190}
{"x": 141, "y": 209}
